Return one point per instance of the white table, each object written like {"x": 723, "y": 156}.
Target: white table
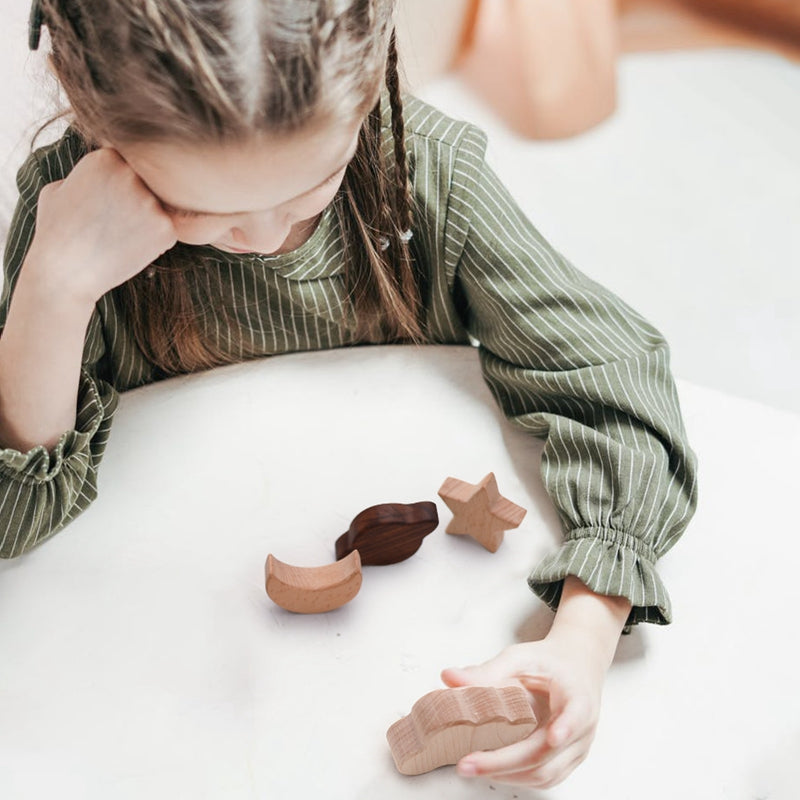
{"x": 140, "y": 656}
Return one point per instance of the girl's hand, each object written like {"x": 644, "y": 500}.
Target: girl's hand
{"x": 565, "y": 681}
{"x": 97, "y": 228}
{"x": 564, "y": 674}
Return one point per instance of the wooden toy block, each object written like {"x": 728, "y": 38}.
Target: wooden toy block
{"x": 480, "y": 511}
{"x": 447, "y": 724}
{"x": 388, "y": 533}
{"x": 313, "y": 590}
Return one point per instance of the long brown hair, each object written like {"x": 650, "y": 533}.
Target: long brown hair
{"x": 222, "y": 72}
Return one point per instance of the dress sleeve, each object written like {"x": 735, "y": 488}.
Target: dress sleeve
{"x": 41, "y": 491}
{"x": 572, "y": 364}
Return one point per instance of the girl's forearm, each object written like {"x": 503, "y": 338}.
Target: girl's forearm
{"x": 598, "y": 618}
{"x": 40, "y": 361}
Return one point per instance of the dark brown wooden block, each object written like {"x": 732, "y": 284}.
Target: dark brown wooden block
{"x": 388, "y": 533}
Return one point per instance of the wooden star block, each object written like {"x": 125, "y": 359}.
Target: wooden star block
{"x": 480, "y": 511}
{"x": 447, "y": 724}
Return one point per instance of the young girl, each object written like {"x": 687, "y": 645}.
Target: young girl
{"x": 241, "y": 179}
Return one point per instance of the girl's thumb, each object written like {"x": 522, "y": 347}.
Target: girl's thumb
{"x": 497, "y": 671}
{"x": 533, "y": 682}
{"x": 460, "y": 676}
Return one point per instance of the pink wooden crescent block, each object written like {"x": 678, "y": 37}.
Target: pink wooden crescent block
{"x": 480, "y": 511}
{"x": 447, "y": 724}
{"x": 313, "y": 590}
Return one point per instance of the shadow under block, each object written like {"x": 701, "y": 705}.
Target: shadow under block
{"x": 447, "y": 724}
{"x": 388, "y": 533}
{"x": 313, "y": 590}
{"x": 480, "y": 511}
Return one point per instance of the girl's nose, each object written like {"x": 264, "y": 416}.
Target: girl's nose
{"x": 260, "y": 233}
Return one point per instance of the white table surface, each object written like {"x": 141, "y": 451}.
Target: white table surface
{"x": 140, "y": 656}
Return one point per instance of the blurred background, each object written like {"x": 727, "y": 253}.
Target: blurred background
{"x": 656, "y": 143}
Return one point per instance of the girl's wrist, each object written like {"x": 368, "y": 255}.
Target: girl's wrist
{"x": 49, "y": 278}
{"x": 593, "y": 619}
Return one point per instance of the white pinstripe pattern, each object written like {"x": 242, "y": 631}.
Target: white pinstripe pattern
{"x": 565, "y": 359}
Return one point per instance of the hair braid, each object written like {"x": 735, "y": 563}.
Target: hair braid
{"x": 402, "y": 193}
{"x": 218, "y": 73}
{"x": 376, "y": 209}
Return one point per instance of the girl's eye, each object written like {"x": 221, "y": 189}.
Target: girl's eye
{"x": 174, "y": 212}
{"x": 186, "y": 214}
{"x": 194, "y": 214}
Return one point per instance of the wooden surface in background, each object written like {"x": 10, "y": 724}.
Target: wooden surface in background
{"x": 557, "y": 80}
{"x": 687, "y": 24}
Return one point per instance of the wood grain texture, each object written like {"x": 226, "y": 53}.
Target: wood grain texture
{"x": 447, "y": 724}
{"x": 780, "y": 17}
{"x": 480, "y": 511}
{"x": 388, "y": 533}
{"x": 686, "y": 24}
{"x": 313, "y": 590}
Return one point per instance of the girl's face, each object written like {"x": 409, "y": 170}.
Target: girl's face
{"x": 265, "y": 197}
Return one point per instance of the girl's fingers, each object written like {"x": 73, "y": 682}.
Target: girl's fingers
{"x": 538, "y": 760}
{"x": 535, "y": 683}
{"x": 548, "y": 756}
{"x": 477, "y": 676}
{"x": 454, "y": 677}
{"x": 571, "y": 715}
{"x": 565, "y": 699}
{"x": 502, "y": 669}
{"x": 571, "y": 723}
{"x": 566, "y": 720}
{"x": 544, "y": 776}
{"x": 512, "y": 757}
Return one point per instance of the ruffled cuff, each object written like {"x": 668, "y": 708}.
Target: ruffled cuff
{"x": 40, "y": 464}
{"x": 609, "y": 562}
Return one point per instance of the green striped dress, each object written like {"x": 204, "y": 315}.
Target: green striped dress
{"x": 565, "y": 359}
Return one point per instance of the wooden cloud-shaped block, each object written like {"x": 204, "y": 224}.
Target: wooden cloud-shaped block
{"x": 447, "y": 724}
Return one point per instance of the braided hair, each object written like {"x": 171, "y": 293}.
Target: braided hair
{"x": 223, "y": 72}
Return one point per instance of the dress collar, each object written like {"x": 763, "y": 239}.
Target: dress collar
{"x": 320, "y": 256}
